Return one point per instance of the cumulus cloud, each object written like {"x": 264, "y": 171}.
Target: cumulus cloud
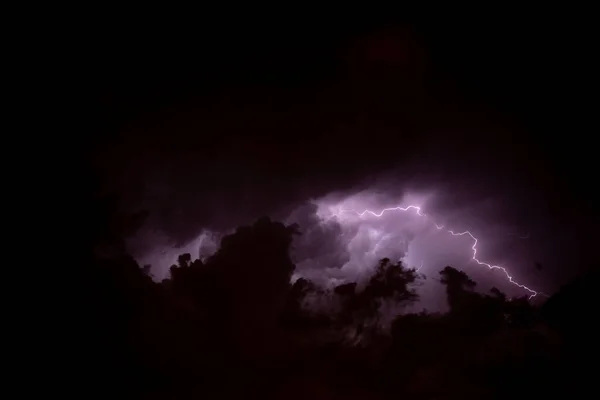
{"x": 344, "y": 244}
{"x": 320, "y": 249}
{"x": 338, "y": 243}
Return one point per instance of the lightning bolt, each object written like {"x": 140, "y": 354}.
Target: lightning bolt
{"x": 418, "y": 211}
{"x": 421, "y": 266}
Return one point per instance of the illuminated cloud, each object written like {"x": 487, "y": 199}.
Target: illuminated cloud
{"x": 344, "y": 235}
{"x": 370, "y": 229}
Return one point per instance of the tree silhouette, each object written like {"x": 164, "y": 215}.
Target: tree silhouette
{"x": 459, "y": 287}
{"x": 236, "y": 314}
{"x": 390, "y": 282}
{"x": 295, "y": 314}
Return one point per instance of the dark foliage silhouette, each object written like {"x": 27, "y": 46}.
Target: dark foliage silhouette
{"x": 233, "y": 325}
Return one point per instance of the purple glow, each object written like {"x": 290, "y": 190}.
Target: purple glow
{"x": 374, "y": 232}
{"x": 344, "y": 236}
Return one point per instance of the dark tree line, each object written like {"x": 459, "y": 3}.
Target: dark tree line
{"x": 233, "y": 325}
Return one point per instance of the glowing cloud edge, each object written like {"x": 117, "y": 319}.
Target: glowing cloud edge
{"x": 418, "y": 211}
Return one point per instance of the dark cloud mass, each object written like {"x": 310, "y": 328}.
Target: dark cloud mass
{"x": 346, "y": 209}
{"x": 321, "y": 243}
{"x": 371, "y": 115}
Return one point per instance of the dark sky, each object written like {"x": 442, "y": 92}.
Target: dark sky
{"x": 213, "y": 124}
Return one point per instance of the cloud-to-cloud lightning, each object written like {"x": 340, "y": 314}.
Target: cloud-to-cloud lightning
{"x": 418, "y": 211}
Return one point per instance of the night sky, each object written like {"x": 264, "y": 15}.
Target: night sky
{"x": 482, "y": 122}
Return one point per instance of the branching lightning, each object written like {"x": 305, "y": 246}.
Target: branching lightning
{"x": 418, "y": 211}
